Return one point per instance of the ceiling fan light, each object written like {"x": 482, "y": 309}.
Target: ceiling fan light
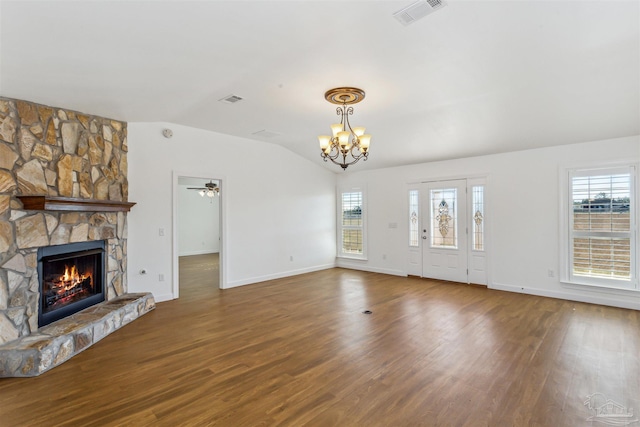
{"x": 201, "y": 193}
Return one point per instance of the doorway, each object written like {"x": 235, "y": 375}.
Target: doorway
{"x": 198, "y": 243}
{"x": 449, "y": 218}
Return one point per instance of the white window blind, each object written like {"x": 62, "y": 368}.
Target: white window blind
{"x": 352, "y": 224}
{"x": 601, "y": 227}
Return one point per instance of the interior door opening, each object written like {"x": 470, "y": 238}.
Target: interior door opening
{"x": 198, "y": 248}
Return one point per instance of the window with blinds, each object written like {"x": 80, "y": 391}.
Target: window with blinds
{"x": 601, "y": 227}
{"x": 414, "y": 219}
{"x": 352, "y": 224}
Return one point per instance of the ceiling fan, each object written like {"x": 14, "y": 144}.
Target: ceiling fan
{"x": 210, "y": 189}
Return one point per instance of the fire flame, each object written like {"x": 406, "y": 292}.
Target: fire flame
{"x": 70, "y": 274}
{"x": 70, "y": 278}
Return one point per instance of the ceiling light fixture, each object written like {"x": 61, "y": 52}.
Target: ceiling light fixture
{"x": 210, "y": 189}
{"x": 209, "y": 193}
{"x": 347, "y": 145}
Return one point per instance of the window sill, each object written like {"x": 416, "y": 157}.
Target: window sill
{"x": 352, "y": 257}
{"x": 599, "y": 288}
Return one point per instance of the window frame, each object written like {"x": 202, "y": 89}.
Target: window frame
{"x": 566, "y": 222}
{"x": 340, "y": 227}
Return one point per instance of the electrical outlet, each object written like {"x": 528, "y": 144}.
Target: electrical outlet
{"x": 160, "y": 277}
{"x": 160, "y": 231}
{"x": 291, "y": 258}
{"x": 551, "y": 273}
{"x": 384, "y": 256}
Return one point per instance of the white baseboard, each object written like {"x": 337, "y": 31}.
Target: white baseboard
{"x": 163, "y": 297}
{"x": 343, "y": 263}
{"x": 613, "y": 300}
{"x": 280, "y": 275}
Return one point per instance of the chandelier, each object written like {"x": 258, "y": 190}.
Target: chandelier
{"x": 347, "y": 145}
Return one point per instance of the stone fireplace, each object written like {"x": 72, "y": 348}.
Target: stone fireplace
{"x": 63, "y": 180}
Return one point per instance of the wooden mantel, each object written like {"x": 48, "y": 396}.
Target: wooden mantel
{"x": 49, "y": 203}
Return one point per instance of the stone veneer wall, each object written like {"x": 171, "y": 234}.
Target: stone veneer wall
{"x": 57, "y": 152}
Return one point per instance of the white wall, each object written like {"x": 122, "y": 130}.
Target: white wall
{"x": 198, "y": 223}
{"x": 524, "y": 243}
{"x": 275, "y": 205}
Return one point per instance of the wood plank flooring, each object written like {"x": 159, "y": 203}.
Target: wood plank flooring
{"x": 299, "y": 351}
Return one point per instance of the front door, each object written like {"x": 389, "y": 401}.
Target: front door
{"x": 444, "y": 231}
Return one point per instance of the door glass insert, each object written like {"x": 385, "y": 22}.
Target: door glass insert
{"x": 444, "y": 218}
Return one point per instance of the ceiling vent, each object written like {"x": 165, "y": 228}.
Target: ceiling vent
{"x": 231, "y": 99}
{"x": 417, "y": 10}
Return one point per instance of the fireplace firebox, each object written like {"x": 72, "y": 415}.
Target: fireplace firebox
{"x": 71, "y": 279}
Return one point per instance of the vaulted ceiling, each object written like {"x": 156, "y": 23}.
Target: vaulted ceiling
{"x": 474, "y": 77}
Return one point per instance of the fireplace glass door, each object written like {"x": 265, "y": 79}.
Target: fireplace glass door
{"x": 71, "y": 279}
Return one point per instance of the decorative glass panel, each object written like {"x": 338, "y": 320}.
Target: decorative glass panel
{"x": 414, "y": 219}
{"x": 477, "y": 194}
{"x": 444, "y": 221}
{"x": 601, "y": 225}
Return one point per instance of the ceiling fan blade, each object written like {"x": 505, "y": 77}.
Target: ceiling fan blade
{"x": 194, "y": 188}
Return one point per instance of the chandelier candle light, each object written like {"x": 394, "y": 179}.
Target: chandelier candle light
{"x": 347, "y": 145}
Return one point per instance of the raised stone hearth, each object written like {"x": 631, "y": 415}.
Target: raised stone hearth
{"x": 56, "y": 343}
{"x": 77, "y": 163}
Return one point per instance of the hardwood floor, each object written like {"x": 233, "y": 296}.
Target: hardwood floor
{"x": 299, "y": 351}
